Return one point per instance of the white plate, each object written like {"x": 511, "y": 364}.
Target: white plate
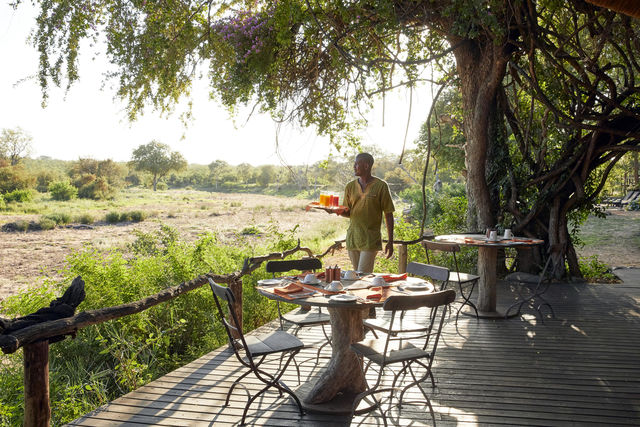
{"x": 421, "y": 286}
{"x": 270, "y": 282}
{"x": 343, "y": 298}
{"x": 311, "y": 282}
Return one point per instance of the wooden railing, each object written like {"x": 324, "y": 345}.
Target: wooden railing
{"x": 35, "y": 338}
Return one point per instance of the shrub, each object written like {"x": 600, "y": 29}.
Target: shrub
{"x": 595, "y": 270}
{"x": 62, "y": 190}
{"x": 22, "y": 225}
{"x": 19, "y": 196}
{"x": 15, "y": 178}
{"x": 137, "y": 216}
{"x": 3, "y": 205}
{"x": 60, "y": 218}
{"x": 112, "y": 217}
{"x": 84, "y": 218}
{"x": 47, "y": 224}
{"x": 97, "y": 189}
{"x": 252, "y": 230}
{"x": 161, "y": 186}
{"x": 44, "y": 180}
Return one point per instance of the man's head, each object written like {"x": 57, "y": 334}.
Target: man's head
{"x": 363, "y": 164}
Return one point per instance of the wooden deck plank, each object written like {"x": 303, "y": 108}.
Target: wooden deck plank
{"x": 581, "y": 368}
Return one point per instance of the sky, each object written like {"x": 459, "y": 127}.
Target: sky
{"x": 87, "y": 121}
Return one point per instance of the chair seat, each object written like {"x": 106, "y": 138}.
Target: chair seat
{"x": 521, "y": 277}
{"x": 402, "y": 351}
{"x": 382, "y": 324}
{"x": 307, "y": 318}
{"x": 464, "y": 277}
{"x": 275, "y": 342}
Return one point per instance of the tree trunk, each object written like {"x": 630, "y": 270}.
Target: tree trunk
{"x": 155, "y": 182}
{"x": 481, "y": 66}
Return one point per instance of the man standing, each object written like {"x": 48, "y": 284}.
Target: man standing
{"x": 367, "y": 198}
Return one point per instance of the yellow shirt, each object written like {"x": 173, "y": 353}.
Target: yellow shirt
{"x": 366, "y": 208}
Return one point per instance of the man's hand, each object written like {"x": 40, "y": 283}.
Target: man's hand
{"x": 388, "y": 249}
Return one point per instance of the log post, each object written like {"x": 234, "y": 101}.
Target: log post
{"x": 236, "y": 288}
{"x": 37, "y": 410}
{"x": 403, "y": 257}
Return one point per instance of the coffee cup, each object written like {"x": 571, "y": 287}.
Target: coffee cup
{"x": 350, "y": 275}
{"x": 378, "y": 281}
{"x": 508, "y": 234}
{"x": 334, "y": 286}
{"x": 493, "y": 235}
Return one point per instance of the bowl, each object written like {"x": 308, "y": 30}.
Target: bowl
{"x": 350, "y": 275}
{"x": 310, "y": 279}
{"x": 334, "y": 286}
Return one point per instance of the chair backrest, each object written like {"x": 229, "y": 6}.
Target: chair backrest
{"x": 437, "y": 302}
{"x": 230, "y": 320}
{"x": 293, "y": 264}
{"x": 452, "y": 248}
{"x": 427, "y": 270}
{"x": 414, "y": 302}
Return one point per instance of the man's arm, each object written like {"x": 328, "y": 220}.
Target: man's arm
{"x": 388, "y": 249}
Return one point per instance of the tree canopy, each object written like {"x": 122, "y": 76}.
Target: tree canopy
{"x": 548, "y": 90}
{"x": 157, "y": 159}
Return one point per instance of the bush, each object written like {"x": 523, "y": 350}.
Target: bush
{"x": 112, "y": 217}
{"x": 44, "y": 180}
{"x": 19, "y": 196}
{"x": 97, "y": 189}
{"x": 62, "y": 190}
{"x": 15, "y": 178}
{"x": 137, "y": 216}
{"x": 161, "y": 186}
{"x": 595, "y": 270}
{"x": 60, "y": 218}
{"x": 84, "y": 218}
{"x": 47, "y": 224}
{"x": 3, "y": 205}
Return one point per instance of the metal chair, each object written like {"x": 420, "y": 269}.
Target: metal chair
{"x": 398, "y": 349}
{"x": 251, "y": 351}
{"x": 466, "y": 282}
{"x": 431, "y": 272}
{"x": 533, "y": 286}
{"x": 302, "y": 318}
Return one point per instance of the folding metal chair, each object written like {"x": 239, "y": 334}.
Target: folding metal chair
{"x": 252, "y": 351}
{"x": 466, "y": 281}
{"x": 302, "y": 318}
{"x": 531, "y": 287}
{"x": 398, "y": 348}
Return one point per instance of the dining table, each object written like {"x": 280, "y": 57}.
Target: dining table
{"x": 487, "y": 266}
{"x": 333, "y": 389}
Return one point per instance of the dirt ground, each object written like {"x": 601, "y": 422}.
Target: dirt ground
{"x": 26, "y": 257}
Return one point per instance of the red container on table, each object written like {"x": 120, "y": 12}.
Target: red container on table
{"x": 328, "y": 275}
{"x": 335, "y": 200}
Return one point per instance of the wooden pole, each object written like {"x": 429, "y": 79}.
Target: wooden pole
{"x": 37, "y": 411}
{"x": 403, "y": 257}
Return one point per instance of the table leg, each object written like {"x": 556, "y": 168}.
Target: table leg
{"x": 487, "y": 297}
{"x": 343, "y": 375}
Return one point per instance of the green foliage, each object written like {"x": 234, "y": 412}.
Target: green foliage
{"x": 62, "y": 190}
{"x": 595, "y": 270}
{"x": 45, "y": 178}
{"x": 18, "y": 196}
{"x": 97, "y": 179}
{"x": 157, "y": 159}
{"x": 250, "y": 230}
{"x": 109, "y": 359}
{"x": 60, "y": 218}
{"x": 14, "y": 145}
{"x": 14, "y": 178}
{"x": 137, "y": 216}
{"x": 3, "y": 205}
{"x": 85, "y": 218}
{"x": 47, "y": 224}
{"x": 112, "y": 217}
{"x": 443, "y": 208}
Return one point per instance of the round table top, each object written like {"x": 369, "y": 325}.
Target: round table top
{"x": 322, "y": 300}
{"x": 482, "y": 240}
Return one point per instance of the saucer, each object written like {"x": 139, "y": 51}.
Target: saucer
{"x": 311, "y": 282}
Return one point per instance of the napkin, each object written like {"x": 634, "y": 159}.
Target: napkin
{"x": 375, "y": 295}
{"x": 289, "y": 289}
{"x": 394, "y": 277}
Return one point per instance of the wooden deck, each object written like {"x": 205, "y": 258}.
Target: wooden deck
{"x": 581, "y": 368}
